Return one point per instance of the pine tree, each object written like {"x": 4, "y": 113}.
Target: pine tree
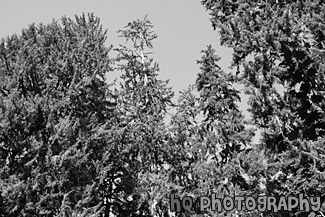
{"x": 140, "y": 133}
{"x": 278, "y": 49}
{"x": 54, "y": 101}
{"x": 209, "y": 133}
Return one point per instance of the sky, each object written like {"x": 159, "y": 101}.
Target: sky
{"x": 183, "y": 28}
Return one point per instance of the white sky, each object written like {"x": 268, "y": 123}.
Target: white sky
{"x": 183, "y": 28}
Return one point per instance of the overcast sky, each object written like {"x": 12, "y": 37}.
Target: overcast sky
{"x": 183, "y": 28}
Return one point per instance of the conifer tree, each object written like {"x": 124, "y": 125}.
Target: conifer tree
{"x": 278, "y": 49}
{"x": 140, "y": 135}
{"x": 54, "y": 102}
{"x": 209, "y": 133}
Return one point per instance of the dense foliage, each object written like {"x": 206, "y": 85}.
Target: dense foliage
{"x": 278, "y": 49}
{"x": 74, "y": 144}
{"x": 54, "y": 103}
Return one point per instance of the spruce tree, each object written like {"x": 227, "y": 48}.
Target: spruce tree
{"x": 278, "y": 49}
{"x": 209, "y": 134}
{"x": 140, "y": 134}
{"x": 54, "y": 102}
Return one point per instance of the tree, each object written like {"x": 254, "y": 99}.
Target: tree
{"x": 209, "y": 133}
{"x": 278, "y": 49}
{"x": 140, "y": 133}
{"x": 54, "y": 103}
{"x": 71, "y": 146}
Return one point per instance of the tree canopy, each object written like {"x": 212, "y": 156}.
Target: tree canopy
{"x": 74, "y": 144}
{"x": 278, "y": 49}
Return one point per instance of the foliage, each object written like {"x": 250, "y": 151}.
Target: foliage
{"x": 278, "y": 49}
{"x": 143, "y": 101}
{"x": 72, "y": 146}
{"x": 54, "y": 101}
{"x": 209, "y": 134}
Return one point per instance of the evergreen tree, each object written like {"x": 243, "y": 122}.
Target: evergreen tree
{"x": 54, "y": 102}
{"x": 140, "y": 133}
{"x": 278, "y": 49}
{"x": 70, "y": 146}
{"x": 209, "y": 133}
